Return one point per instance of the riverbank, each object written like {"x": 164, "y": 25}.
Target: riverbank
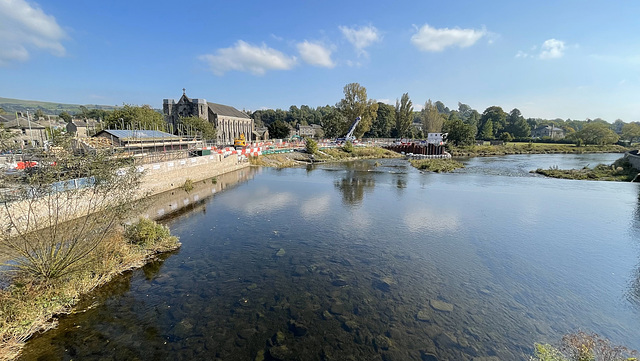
{"x": 30, "y": 305}
{"x": 293, "y": 159}
{"x": 531, "y": 148}
{"x": 621, "y": 171}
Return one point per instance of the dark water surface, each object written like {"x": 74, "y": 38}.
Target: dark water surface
{"x": 358, "y": 262}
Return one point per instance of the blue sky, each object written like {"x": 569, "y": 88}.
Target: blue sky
{"x": 566, "y": 59}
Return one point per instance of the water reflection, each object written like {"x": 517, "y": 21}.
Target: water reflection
{"x": 634, "y": 288}
{"x": 353, "y": 189}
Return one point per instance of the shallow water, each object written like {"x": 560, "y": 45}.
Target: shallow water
{"x": 354, "y": 261}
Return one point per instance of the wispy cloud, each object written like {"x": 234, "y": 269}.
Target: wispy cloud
{"x": 552, "y": 49}
{"x": 24, "y": 27}
{"x": 315, "y": 54}
{"x": 245, "y": 57}
{"x": 361, "y": 37}
{"x": 433, "y": 39}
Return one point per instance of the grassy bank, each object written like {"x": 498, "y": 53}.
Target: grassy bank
{"x": 338, "y": 154}
{"x": 436, "y": 165}
{"x": 531, "y": 148}
{"x": 621, "y": 171}
{"x": 31, "y": 304}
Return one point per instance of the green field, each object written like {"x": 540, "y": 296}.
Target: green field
{"x": 17, "y": 105}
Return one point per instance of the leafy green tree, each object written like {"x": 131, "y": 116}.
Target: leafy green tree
{"x": 65, "y": 116}
{"x": 279, "y": 130}
{"x": 39, "y": 114}
{"x": 84, "y": 112}
{"x": 403, "y": 115}
{"x": 135, "y": 117}
{"x": 311, "y": 146}
{"x": 192, "y": 125}
{"x": 492, "y": 122}
{"x": 631, "y": 132}
{"x": 334, "y": 124}
{"x": 458, "y": 132}
{"x": 432, "y": 120}
{"x": 356, "y": 104}
{"x": 595, "y": 133}
{"x": 517, "y": 126}
{"x": 442, "y": 109}
{"x": 6, "y": 142}
{"x": 487, "y": 130}
{"x": 384, "y": 122}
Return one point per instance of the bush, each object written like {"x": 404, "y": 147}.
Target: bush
{"x": 188, "y": 185}
{"x": 581, "y": 346}
{"x": 146, "y": 233}
{"x": 348, "y": 147}
{"x": 311, "y": 146}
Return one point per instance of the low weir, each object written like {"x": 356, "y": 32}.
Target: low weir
{"x": 421, "y": 150}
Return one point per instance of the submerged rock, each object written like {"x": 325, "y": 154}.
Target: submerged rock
{"x": 281, "y": 252}
{"x": 441, "y": 306}
{"x": 424, "y": 315}
{"x": 280, "y": 353}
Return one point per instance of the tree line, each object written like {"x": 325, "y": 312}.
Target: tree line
{"x": 463, "y": 124}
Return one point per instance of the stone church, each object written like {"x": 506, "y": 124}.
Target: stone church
{"x": 228, "y": 121}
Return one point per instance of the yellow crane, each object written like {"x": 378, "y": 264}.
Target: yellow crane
{"x": 240, "y": 142}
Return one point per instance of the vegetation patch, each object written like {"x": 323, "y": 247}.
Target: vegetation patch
{"x": 339, "y": 153}
{"x": 581, "y": 346}
{"x": 530, "y": 148}
{"x": 436, "y": 165}
{"x": 621, "y": 171}
{"x": 30, "y": 303}
{"x": 188, "y": 185}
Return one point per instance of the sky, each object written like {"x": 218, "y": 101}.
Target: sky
{"x": 550, "y": 59}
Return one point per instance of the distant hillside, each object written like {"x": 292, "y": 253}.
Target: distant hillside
{"x": 16, "y": 105}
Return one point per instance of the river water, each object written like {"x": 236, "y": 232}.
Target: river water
{"x": 376, "y": 261}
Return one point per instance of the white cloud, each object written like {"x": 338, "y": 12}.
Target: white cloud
{"x": 248, "y": 58}
{"x": 23, "y": 27}
{"x": 431, "y": 39}
{"x": 552, "y": 49}
{"x": 315, "y": 54}
{"x": 522, "y": 54}
{"x": 361, "y": 37}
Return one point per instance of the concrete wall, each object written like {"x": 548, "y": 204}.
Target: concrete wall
{"x": 161, "y": 177}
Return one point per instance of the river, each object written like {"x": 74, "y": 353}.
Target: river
{"x": 376, "y": 261}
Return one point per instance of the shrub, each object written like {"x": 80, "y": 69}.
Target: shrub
{"x": 146, "y": 233}
{"x": 348, "y": 147}
{"x": 188, "y": 185}
{"x": 311, "y": 146}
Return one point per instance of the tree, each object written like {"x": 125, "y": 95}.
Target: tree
{"x": 196, "y": 124}
{"x": 279, "y": 130}
{"x": 6, "y": 136}
{"x": 135, "y": 117}
{"x": 311, "y": 146}
{"x": 432, "y": 121}
{"x": 65, "y": 116}
{"x": 66, "y": 209}
{"x": 384, "y": 122}
{"x": 334, "y": 124}
{"x": 403, "y": 115}
{"x": 595, "y": 133}
{"x": 517, "y": 126}
{"x": 458, "y": 132}
{"x": 356, "y": 104}
{"x": 38, "y": 114}
{"x": 631, "y": 132}
{"x": 442, "y": 109}
{"x": 497, "y": 119}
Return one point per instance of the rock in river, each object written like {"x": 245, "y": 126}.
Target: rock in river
{"x": 441, "y": 306}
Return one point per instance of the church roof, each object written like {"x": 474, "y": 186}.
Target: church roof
{"x": 227, "y": 111}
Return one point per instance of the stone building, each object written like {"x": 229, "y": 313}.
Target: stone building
{"x": 83, "y": 128}
{"x": 547, "y": 131}
{"x": 228, "y": 121}
{"x": 27, "y": 133}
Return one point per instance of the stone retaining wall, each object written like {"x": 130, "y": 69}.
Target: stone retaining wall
{"x": 634, "y": 159}
{"x": 161, "y": 177}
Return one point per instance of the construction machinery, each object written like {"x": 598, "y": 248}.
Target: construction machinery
{"x": 349, "y": 137}
{"x": 240, "y": 142}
